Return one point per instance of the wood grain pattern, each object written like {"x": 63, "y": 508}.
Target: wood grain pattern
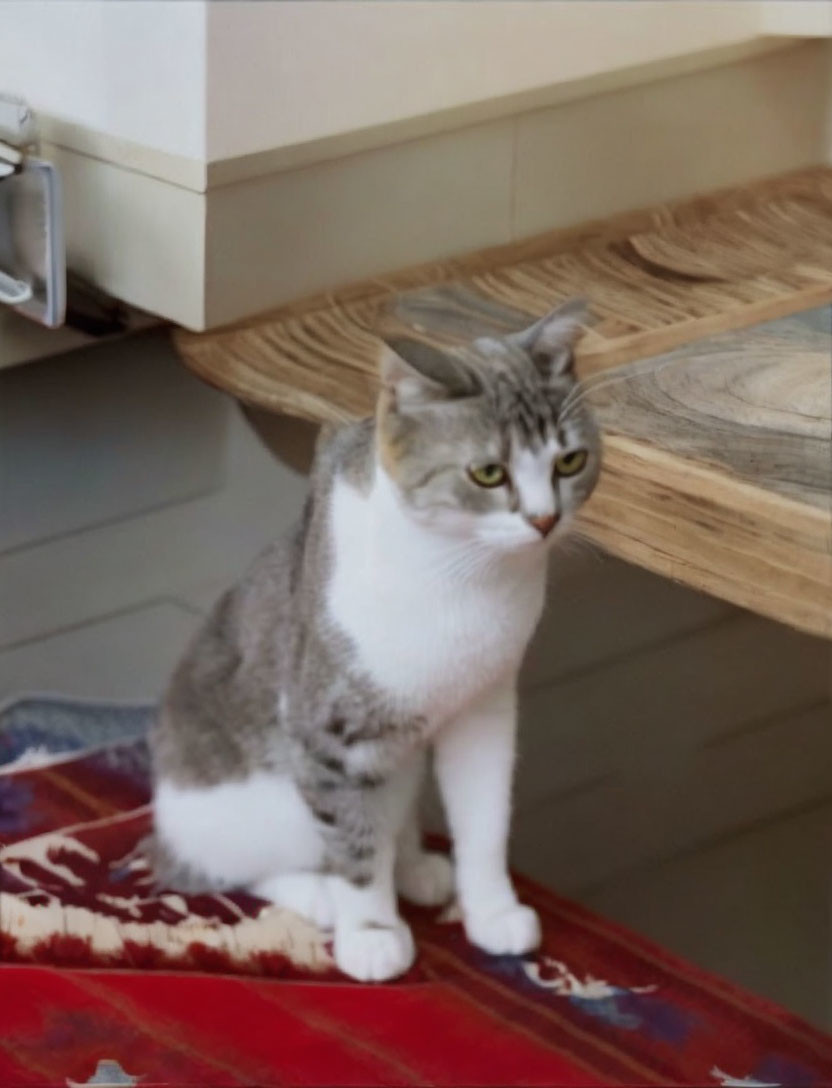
{"x": 655, "y": 279}
{"x": 755, "y": 404}
{"x": 718, "y": 468}
{"x": 718, "y": 458}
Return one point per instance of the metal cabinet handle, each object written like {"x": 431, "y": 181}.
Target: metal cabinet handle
{"x": 12, "y": 291}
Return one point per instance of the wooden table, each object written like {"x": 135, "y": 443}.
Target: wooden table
{"x": 718, "y": 456}
{"x": 718, "y": 468}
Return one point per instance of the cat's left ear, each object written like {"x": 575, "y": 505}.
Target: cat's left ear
{"x": 417, "y": 373}
{"x": 551, "y": 340}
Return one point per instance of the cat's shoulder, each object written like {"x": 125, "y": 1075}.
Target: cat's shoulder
{"x": 347, "y": 451}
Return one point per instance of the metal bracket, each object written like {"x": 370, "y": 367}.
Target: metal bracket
{"x": 32, "y": 246}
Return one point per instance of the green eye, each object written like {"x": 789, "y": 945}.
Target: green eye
{"x": 570, "y": 464}
{"x": 488, "y": 475}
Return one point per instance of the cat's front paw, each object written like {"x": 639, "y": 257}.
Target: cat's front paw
{"x": 374, "y": 953}
{"x": 427, "y": 880}
{"x": 510, "y": 932}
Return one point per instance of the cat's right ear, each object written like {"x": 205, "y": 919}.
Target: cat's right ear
{"x": 415, "y": 374}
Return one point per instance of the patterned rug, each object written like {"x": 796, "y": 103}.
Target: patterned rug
{"x": 106, "y": 979}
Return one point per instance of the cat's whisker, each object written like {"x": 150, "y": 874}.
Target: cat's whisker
{"x": 600, "y": 381}
{"x": 581, "y": 391}
{"x": 574, "y": 544}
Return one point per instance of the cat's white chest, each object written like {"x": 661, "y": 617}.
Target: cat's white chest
{"x": 425, "y": 633}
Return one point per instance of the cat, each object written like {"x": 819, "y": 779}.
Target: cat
{"x": 291, "y": 745}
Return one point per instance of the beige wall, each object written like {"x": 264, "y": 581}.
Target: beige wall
{"x": 134, "y": 69}
{"x": 812, "y": 18}
{"x": 208, "y": 81}
{"x": 313, "y": 70}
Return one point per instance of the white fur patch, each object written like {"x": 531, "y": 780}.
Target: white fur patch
{"x": 532, "y": 473}
{"x": 434, "y": 618}
{"x": 239, "y": 832}
{"x": 374, "y": 954}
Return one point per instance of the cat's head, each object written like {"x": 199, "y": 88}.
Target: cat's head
{"x": 490, "y": 441}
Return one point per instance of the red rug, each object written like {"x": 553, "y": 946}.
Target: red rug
{"x": 102, "y": 973}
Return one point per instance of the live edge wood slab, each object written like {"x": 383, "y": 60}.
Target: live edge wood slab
{"x": 718, "y": 454}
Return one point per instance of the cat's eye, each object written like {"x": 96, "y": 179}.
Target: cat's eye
{"x": 491, "y": 475}
{"x": 571, "y": 463}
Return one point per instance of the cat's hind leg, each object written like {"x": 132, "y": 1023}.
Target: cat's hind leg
{"x": 237, "y": 834}
{"x": 424, "y": 877}
{"x": 307, "y": 894}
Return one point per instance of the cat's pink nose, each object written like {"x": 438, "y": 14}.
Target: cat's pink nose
{"x": 544, "y": 524}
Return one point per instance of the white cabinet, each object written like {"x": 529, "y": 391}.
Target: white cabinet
{"x": 222, "y": 157}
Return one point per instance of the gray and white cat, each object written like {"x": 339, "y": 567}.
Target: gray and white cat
{"x": 291, "y": 744}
